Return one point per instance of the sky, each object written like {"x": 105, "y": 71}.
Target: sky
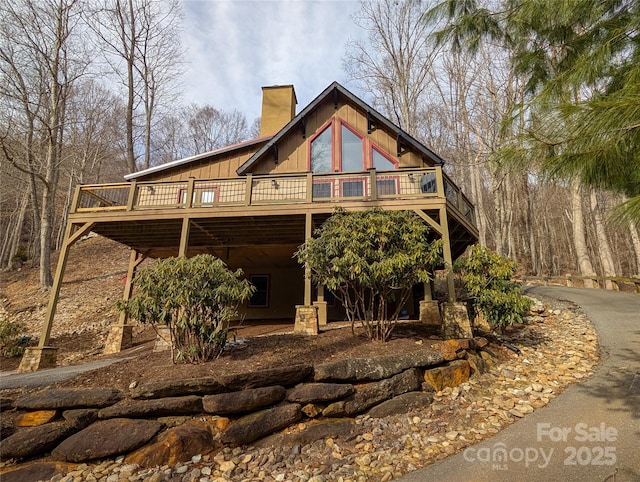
{"x": 234, "y": 47}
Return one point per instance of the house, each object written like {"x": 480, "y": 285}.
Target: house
{"x": 252, "y": 204}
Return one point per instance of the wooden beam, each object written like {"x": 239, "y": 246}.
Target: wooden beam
{"x": 70, "y": 237}
{"x": 134, "y": 261}
{"x": 430, "y": 221}
{"x": 184, "y": 237}
{"x": 446, "y": 253}
{"x": 308, "y": 232}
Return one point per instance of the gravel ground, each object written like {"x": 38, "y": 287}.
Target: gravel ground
{"x": 558, "y": 348}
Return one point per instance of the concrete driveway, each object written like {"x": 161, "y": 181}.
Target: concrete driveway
{"x": 591, "y": 432}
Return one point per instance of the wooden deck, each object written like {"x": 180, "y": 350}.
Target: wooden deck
{"x": 263, "y": 210}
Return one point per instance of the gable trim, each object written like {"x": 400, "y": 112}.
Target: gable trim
{"x": 374, "y": 119}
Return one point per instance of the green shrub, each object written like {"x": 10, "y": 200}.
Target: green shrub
{"x": 487, "y": 282}
{"x": 12, "y": 337}
{"x": 195, "y": 297}
{"x": 371, "y": 260}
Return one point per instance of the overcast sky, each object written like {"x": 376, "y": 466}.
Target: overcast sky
{"x": 234, "y": 47}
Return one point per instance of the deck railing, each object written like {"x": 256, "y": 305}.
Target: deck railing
{"x": 274, "y": 189}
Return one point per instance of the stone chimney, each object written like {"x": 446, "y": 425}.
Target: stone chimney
{"x": 278, "y": 108}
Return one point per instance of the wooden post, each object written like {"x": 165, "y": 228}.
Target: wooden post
{"x": 307, "y": 271}
{"x": 428, "y": 294}
{"x": 70, "y": 239}
{"x": 373, "y": 185}
{"x": 132, "y": 195}
{"x": 446, "y": 252}
{"x": 134, "y": 261}
{"x": 440, "y": 183}
{"x": 309, "y": 187}
{"x": 248, "y": 189}
{"x": 76, "y": 199}
{"x": 184, "y": 236}
{"x": 44, "y": 356}
{"x": 190, "y": 188}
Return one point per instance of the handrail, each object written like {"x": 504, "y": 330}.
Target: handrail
{"x": 595, "y": 281}
{"x": 405, "y": 183}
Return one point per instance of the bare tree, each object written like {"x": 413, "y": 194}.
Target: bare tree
{"x": 209, "y": 128}
{"x": 43, "y": 56}
{"x": 140, "y": 41}
{"x": 394, "y": 65}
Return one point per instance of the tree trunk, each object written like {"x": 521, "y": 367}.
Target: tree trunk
{"x": 635, "y": 239}
{"x": 579, "y": 235}
{"x": 604, "y": 247}
{"x": 12, "y": 241}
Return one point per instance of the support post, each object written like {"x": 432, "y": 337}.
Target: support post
{"x": 309, "y": 187}
{"x": 132, "y": 195}
{"x": 120, "y": 335}
{"x": 44, "y": 356}
{"x": 373, "y": 184}
{"x": 248, "y": 189}
{"x": 307, "y": 271}
{"x": 321, "y": 306}
{"x": 190, "y": 188}
{"x": 184, "y": 236}
{"x": 446, "y": 253}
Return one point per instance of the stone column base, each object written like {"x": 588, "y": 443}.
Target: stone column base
{"x": 455, "y": 321}
{"x": 120, "y": 338}
{"x": 37, "y": 358}
{"x": 430, "y": 313}
{"x": 322, "y": 312}
{"x": 306, "y": 320}
{"x": 163, "y": 340}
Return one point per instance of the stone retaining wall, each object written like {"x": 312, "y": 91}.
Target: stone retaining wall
{"x": 167, "y": 422}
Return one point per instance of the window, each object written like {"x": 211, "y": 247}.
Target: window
{"x": 322, "y": 189}
{"x": 351, "y": 150}
{"x": 353, "y": 188}
{"x": 321, "y": 151}
{"x": 260, "y": 298}
{"x": 380, "y": 161}
{"x": 428, "y": 182}
{"x": 207, "y": 196}
{"x": 202, "y": 195}
{"x": 386, "y": 187}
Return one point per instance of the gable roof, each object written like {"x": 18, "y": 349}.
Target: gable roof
{"x": 337, "y": 90}
{"x": 197, "y": 157}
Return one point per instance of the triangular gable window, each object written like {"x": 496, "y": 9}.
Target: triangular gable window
{"x": 349, "y": 153}
{"x": 380, "y": 161}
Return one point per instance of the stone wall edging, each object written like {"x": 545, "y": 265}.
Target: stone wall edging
{"x": 244, "y": 407}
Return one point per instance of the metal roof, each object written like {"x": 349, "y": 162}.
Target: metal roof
{"x": 197, "y": 157}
